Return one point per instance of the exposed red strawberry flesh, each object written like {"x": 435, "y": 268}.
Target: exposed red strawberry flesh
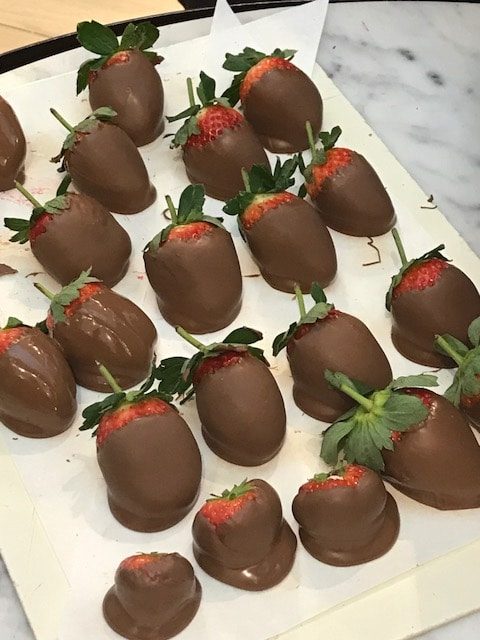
{"x": 396, "y": 436}
{"x": 212, "y": 121}
{"x": 222, "y": 509}
{"x": 350, "y": 478}
{"x": 420, "y": 276}
{"x": 423, "y": 394}
{"x": 337, "y": 158}
{"x": 40, "y": 226}
{"x": 119, "y": 418}
{"x": 117, "y": 58}
{"x": 85, "y": 293}
{"x": 213, "y": 364}
{"x": 263, "y": 204}
{"x": 303, "y": 329}
{"x": 139, "y": 561}
{"x": 261, "y": 68}
{"x": 190, "y": 231}
{"x": 9, "y": 337}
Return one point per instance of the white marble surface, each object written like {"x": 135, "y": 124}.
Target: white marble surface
{"x": 411, "y": 69}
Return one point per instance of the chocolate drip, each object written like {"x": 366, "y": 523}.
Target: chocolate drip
{"x": 12, "y": 148}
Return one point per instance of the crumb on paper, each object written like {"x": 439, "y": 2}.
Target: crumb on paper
{"x": 34, "y": 274}
{"x": 251, "y": 275}
{"x": 430, "y": 200}
{"x": 379, "y": 257}
{"x": 7, "y": 270}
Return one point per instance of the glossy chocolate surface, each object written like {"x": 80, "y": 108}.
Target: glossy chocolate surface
{"x": 197, "y": 281}
{"x": 242, "y": 412}
{"x": 106, "y": 165}
{"x": 152, "y": 468}
{"x": 448, "y": 306}
{"x": 291, "y": 245}
{"x": 37, "y": 389}
{"x": 348, "y": 525}
{"x": 341, "y": 344}
{"x": 279, "y": 104}
{"x": 254, "y": 549}
{"x": 218, "y": 165}
{"x": 110, "y": 329}
{"x": 155, "y": 602}
{"x": 12, "y": 148}
{"x": 438, "y": 461}
{"x": 354, "y": 201}
{"x": 83, "y": 235}
{"x": 134, "y": 90}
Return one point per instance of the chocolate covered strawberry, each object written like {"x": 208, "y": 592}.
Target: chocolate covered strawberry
{"x": 429, "y": 296}
{"x": 326, "y": 338}
{"x": 241, "y": 538}
{"x": 37, "y": 389}
{"x": 12, "y": 148}
{"x": 93, "y": 323}
{"x": 147, "y": 455}
{"x": 73, "y": 233}
{"x": 155, "y": 596}
{"x": 345, "y": 188}
{"x": 418, "y": 439}
{"x": 238, "y": 400}
{"x": 285, "y": 234}
{"x": 464, "y": 392}
{"x": 217, "y": 142}
{"x": 105, "y": 164}
{"x": 124, "y": 77}
{"x": 193, "y": 267}
{"x": 346, "y": 516}
{"x": 277, "y": 98}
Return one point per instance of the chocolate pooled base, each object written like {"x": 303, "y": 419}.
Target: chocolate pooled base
{"x": 134, "y": 90}
{"x": 291, "y": 245}
{"x": 218, "y": 165}
{"x": 37, "y": 389}
{"x": 197, "y": 282}
{"x": 152, "y": 468}
{"x": 84, "y": 235}
{"x": 106, "y": 165}
{"x": 278, "y": 105}
{"x": 354, "y": 201}
{"x": 341, "y": 343}
{"x": 438, "y": 461}
{"x": 448, "y": 306}
{"x": 13, "y": 148}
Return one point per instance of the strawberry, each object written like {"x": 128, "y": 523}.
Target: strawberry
{"x": 140, "y": 439}
{"x": 429, "y": 296}
{"x": 268, "y": 87}
{"x": 10, "y": 334}
{"x": 322, "y": 338}
{"x": 223, "y": 377}
{"x": 217, "y": 141}
{"x": 219, "y": 509}
{"x": 140, "y": 562}
{"x": 348, "y": 476}
{"x": 14, "y": 148}
{"x": 124, "y": 77}
{"x": 345, "y": 189}
{"x": 192, "y": 265}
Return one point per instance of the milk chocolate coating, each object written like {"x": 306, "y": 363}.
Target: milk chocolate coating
{"x": 473, "y": 414}
{"x": 37, "y": 389}
{"x": 438, "y": 461}
{"x": 242, "y": 412}
{"x": 278, "y": 105}
{"x": 253, "y": 550}
{"x": 348, "y": 525}
{"x": 354, "y": 201}
{"x": 152, "y": 468}
{"x": 106, "y": 165}
{"x": 197, "y": 281}
{"x": 341, "y": 344}
{"x": 110, "y": 329}
{"x": 154, "y": 603}
{"x": 134, "y": 90}
{"x": 6, "y": 270}
{"x": 218, "y": 165}
{"x": 291, "y": 245}
{"x": 448, "y": 306}
{"x": 12, "y": 148}
{"x": 83, "y": 235}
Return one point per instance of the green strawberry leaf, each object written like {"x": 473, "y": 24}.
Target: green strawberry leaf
{"x": 63, "y": 186}
{"x": 281, "y": 341}
{"x": 141, "y": 36}
{"x": 235, "y": 492}
{"x": 402, "y": 410}
{"x": 169, "y": 373}
{"x": 333, "y": 440}
{"x": 84, "y": 71}
{"x": 191, "y": 111}
{"x": 93, "y": 414}
{"x": 68, "y": 294}
{"x": 97, "y": 38}
{"x": 420, "y": 380}
{"x": 57, "y": 204}
{"x": 474, "y": 332}
{"x": 317, "y": 293}
{"x": 22, "y": 227}
{"x": 360, "y": 447}
{"x": 13, "y": 322}
{"x": 206, "y": 89}
{"x": 191, "y": 199}
{"x": 243, "y": 335}
{"x": 302, "y": 191}
{"x": 336, "y": 379}
{"x": 453, "y": 343}
{"x": 329, "y": 139}
{"x": 237, "y": 205}
{"x": 189, "y": 128}
{"x": 232, "y": 94}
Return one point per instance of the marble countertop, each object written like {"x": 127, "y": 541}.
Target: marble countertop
{"x": 410, "y": 68}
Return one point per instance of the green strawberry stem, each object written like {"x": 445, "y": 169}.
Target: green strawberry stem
{"x": 454, "y": 355}
{"x": 361, "y": 400}
{"x": 300, "y": 301}
{"x": 246, "y": 180}
{"x": 27, "y": 195}
{"x": 400, "y": 249}
{"x": 62, "y": 120}
{"x": 189, "y": 338}
{"x": 310, "y": 136}
{"x": 171, "y": 208}
{"x": 191, "y": 95}
{"x": 109, "y": 378}
{"x": 44, "y": 290}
